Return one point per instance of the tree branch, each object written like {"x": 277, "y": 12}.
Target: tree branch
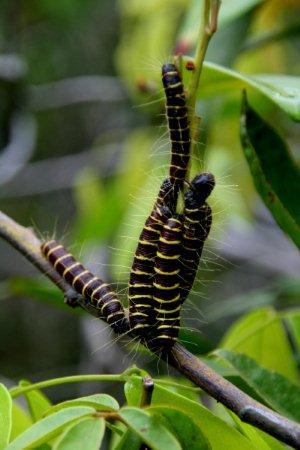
{"x": 248, "y": 410}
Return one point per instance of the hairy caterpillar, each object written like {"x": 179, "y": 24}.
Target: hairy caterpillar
{"x": 97, "y": 294}
{"x": 166, "y": 285}
{"x": 196, "y": 227}
{"x": 177, "y": 118}
{"x": 140, "y": 293}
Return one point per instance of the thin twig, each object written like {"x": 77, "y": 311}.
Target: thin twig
{"x": 247, "y": 409}
{"x": 209, "y": 27}
{"x": 147, "y": 391}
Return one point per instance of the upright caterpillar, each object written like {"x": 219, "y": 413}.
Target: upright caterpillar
{"x": 177, "y": 117}
{"x": 196, "y": 227}
{"x": 166, "y": 286}
{"x": 98, "y": 295}
{"x": 141, "y": 315}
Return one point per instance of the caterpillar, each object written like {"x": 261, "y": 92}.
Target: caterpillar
{"x": 177, "y": 118}
{"x": 97, "y": 294}
{"x": 196, "y": 227}
{"x": 166, "y": 285}
{"x": 140, "y": 293}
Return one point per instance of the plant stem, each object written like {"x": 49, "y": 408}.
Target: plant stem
{"x": 17, "y": 391}
{"x": 209, "y": 27}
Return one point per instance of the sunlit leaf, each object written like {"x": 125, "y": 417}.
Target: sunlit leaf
{"x": 283, "y": 90}
{"x": 292, "y": 319}
{"x": 276, "y": 390}
{"x": 5, "y": 416}
{"x": 37, "y": 402}
{"x": 260, "y": 439}
{"x": 261, "y": 336}
{"x": 87, "y": 434}
{"x": 100, "y": 402}
{"x": 49, "y": 427}
{"x": 20, "y": 421}
{"x": 149, "y": 428}
{"x": 275, "y": 174}
{"x": 218, "y": 433}
{"x": 187, "y": 432}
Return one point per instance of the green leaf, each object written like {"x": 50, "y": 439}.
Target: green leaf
{"x": 49, "y": 427}
{"x": 275, "y": 174}
{"x": 37, "y": 402}
{"x": 283, "y": 90}
{"x": 20, "y": 421}
{"x": 260, "y": 439}
{"x": 277, "y": 391}
{"x": 100, "y": 402}
{"x": 261, "y": 336}
{"x": 219, "y": 434}
{"x": 129, "y": 440}
{"x": 87, "y": 434}
{"x": 5, "y": 416}
{"x": 149, "y": 429}
{"x": 181, "y": 425}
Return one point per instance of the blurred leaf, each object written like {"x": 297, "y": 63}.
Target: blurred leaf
{"x": 275, "y": 174}
{"x": 229, "y": 11}
{"x": 100, "y": 402}
{"x": 145, "y": 39}
{"x": 277, "y": 391}
{"x": 20, "y": 421}
{"x": 239, "y": 304}
{"x": 149, "y": 428}
{"x": 47, "y": 428}
{"x": 181, "y": 425}
{"x": 37, "y": 402}
{"x": 5, "y": 416}
{"x": 195, "y": 342}
{"x": 39, "y": 289}
{"x": 283, "y": 90}
{"x": 292, "y": 320}
{"x": 4, "y": 290}
{"x": 142, "y": 180}
{"x": 261, "y": 336}
{"x": 87, "y": 434}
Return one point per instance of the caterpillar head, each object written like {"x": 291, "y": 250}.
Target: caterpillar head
{"x": 201, "y": 187}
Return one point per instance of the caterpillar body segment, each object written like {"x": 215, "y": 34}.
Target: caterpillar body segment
{"x": 99, "y": 296}
{"x": 140, "y": 292}
{"x": 166, "y": 286}
{"x": 177, "y": 118}
{"x": 196, "y": 227}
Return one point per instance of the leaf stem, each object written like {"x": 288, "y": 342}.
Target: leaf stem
{"x": 17, "y": 391}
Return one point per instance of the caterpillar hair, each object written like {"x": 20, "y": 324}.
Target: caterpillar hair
{"x": 177, "y": 118}
{"x": 196, "y": 227}
{"x": 140, "y": 293}
{"x": 166, "y": 286}
{"x": 97, "y": 295}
